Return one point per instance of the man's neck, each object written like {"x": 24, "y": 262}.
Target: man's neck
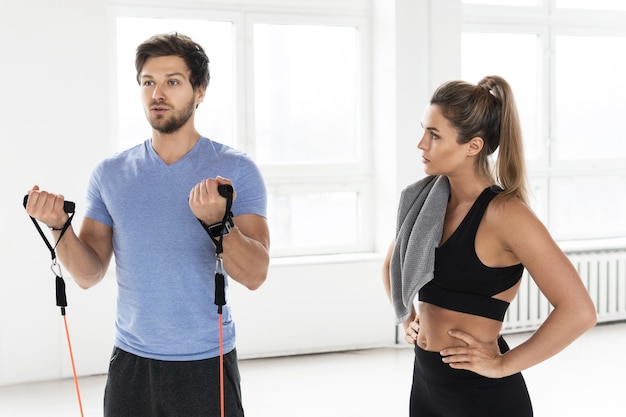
{"x": 172, "y": 147}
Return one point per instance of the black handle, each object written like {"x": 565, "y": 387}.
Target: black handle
{"x": 68, "y": 206}
{"x": 225, "y": 190}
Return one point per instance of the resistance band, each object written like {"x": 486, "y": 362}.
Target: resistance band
{"x": 225, "y": 191}
{"x": 61, "y": 298}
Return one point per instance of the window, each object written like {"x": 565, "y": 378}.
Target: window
{"x": 295, "y": 98}
{"x": 305, "y": 95}
{"x": 578, "y": 206}
{"x": 589, "y": 85}
{"x": 306, "y": 131}
{"x": 566, "y": 69}
{"x": 518, "y": 61}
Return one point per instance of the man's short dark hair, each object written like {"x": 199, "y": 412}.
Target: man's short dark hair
{"x": 176, "y": 44}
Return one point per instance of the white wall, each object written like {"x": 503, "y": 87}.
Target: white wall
{"x": 54, "y": 115}
{"x": 56, "y": 124}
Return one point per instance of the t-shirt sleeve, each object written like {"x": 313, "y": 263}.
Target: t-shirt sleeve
{"x": 95, "y": 206}
{"x": 250, "y": 189}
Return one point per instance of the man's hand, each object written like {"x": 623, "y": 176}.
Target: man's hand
{"x": 46, "y": 207}
{"x": 205, "y": 201}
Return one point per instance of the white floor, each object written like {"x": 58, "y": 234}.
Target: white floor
{"x": 587, "y": 379}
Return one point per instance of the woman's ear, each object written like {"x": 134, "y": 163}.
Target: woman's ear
{"x": 475, "y": 145}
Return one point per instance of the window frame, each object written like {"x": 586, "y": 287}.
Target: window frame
{"x": 290, "y": 178}
{"x": 548, "y": 22}
{"x": 357, "y": 176}
{"x": 594, "y": 165}
{"x": 543, "y": 96}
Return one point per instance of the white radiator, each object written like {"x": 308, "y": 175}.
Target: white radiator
{"x": 603, "y": 273}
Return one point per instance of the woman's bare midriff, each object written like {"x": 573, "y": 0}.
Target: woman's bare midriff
{"x": 435, "y": 322}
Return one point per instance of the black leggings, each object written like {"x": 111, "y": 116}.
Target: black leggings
{"x": 140, "y": 387}
{"x": 441, "y": 391}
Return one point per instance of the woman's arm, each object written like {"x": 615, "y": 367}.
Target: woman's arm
{"x": 521, "y": 233}
{"x": 410, "y": 325}
{"x": 556, "y": 277}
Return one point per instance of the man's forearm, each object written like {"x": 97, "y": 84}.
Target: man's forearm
{"x": 246, "y": 260}
{"x": 80, "y": 260}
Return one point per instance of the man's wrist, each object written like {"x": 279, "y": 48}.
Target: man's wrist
{"x": 220, "y": 229}
{"x": 58, "y": 229}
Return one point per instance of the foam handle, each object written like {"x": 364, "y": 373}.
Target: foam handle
{"x": 68, "y": 206}
{"x": 225, "y": 190}
{"x": 220, "y": 289}
{"x": 60, "y": 292}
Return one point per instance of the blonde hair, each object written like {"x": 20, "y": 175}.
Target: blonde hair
{"x": 488, "y": 110}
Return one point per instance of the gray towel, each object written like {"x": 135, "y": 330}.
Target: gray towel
{"x": 421, "y": 214}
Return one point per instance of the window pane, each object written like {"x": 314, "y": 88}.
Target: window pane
{"x": 516, "y": 61}
{"x": 588, "y": 207}
{"x": 590, "y": 89}
{"x": 592, "y": 4}
{"x": 305, "y": 94}
{"x": 324, "y": 221}
{"x": 215, "y": 116}
{"x": 524, "y": 3}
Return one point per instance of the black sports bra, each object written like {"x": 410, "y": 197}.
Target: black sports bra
{"x": 461, "y": 281}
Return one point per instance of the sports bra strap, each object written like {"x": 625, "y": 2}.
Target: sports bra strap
{"x": 475, "y": 304}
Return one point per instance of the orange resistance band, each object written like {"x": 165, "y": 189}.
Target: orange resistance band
{"x": 226, "y": 191}
{"x": 69, "y": 345}
{"x": 68, "y": 207}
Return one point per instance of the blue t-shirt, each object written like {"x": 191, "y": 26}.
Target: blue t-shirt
{"x": 165, "y": 260}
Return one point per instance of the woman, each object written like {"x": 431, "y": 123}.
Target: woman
{"x": 487, "y": 235}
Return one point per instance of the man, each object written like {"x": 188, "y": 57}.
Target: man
{"x": 143, "y": 206}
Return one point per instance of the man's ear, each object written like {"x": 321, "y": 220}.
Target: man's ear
{"x": 475, "y": 145}
{"x": 200, "y": 93}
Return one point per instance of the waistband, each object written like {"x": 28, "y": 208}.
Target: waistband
{"x": 431, "y": 369}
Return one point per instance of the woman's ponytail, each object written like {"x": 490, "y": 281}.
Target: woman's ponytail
{"x": 510, "y": 167}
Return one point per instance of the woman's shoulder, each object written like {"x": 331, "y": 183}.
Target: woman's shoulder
{"x": 503, "y": 207}
{"x": 513, "y": 219}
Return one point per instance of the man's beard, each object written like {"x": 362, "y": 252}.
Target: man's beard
{"x": 167, "y": 125}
